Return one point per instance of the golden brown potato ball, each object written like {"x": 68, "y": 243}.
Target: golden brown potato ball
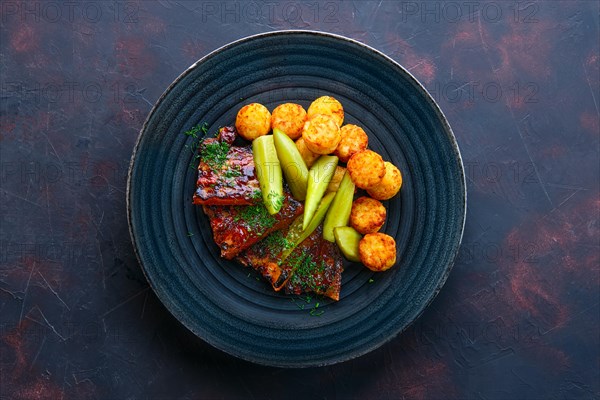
{"x": 367, "y": 215}
{"x": 321, "y": 134}
{"x": 253, "y": 120}
{"x": 366, "y": 169}
{"x": 308, "y": 156}
{"x": 377, "y": 251}
{"x": 329, "y": 106}
{"x": 335, "y": 181}
{"x": 354, "y": 139}
{"x": 290, "y": 118}
{"x": 389, "y": 185}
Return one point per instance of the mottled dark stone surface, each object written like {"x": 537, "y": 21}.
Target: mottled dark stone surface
{"x": 519, "y": 314}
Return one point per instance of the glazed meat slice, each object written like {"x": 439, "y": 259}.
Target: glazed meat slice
{"x": 235, "y": 228}
{"x": 264, "y": 257}
{"x": 315, "y": 266}
{"x": 226, "y": 172}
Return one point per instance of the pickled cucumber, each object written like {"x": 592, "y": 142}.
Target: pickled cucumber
{"x": 297, "y": 233}
{"x": 339, "y": 212}
{"x": 293, "y": 166}
{"x": 319, "y": 176}
{"x": 268, "y": 172}
{"x": 347, "y": 239}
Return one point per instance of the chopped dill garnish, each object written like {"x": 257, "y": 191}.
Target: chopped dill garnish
{"x": 233, "y": 172}
{"x": 300, "y": 306}
{"x": 307, "y": 299}
{"x": 257, "y": 195}
{"x": 214, "y": 154}
{"x": 371, "y": 280}
{"x": 193, "y": 147}
{"x": 256, "y": 217}
{"x": 276, "y": 199}
{"x": 198, "y": 128}
{"x": 276, "y": 242}
{"x": 307, "y": 273}
{"x": 314, "y": 312}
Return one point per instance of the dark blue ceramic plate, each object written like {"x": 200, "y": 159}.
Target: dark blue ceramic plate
{"x": 226, "y": 304}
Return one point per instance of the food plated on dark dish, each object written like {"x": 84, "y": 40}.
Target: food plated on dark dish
{"x": 314, "y": 262}
{"x": 292, "y": 224}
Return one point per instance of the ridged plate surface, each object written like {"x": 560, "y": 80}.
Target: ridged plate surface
{"x": 221, "y": 301}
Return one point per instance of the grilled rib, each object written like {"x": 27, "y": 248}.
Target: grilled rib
{"x": 315, "y": 266}
{"x": 226, "y": 173}
{"x": 235, "y": 228}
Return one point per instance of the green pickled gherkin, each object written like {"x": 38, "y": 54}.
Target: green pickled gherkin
{"x": 297, "y": 233}
{"x": 347, "y": 239}
{"x": 268, "y": 172}
{"x": 339, "y": 212}
{"x": 293, "y": 166}
{"x": 319, "y": 176}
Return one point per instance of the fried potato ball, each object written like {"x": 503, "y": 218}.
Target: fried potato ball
{"x": 334, "y": 184}
{"x": 389, "y": 185}
{"x": 366, "y": 168}
{"x": 321, "y": 134}
{"x": 308, "y": 156}
{"x": 253, "y": 120}
{"x": 354, "y": 139}
{"x": 367, "y": 215}
{"x": 377, "y": 251}
{"x": 290, "y": 118}
{"x": 329, "y": 106}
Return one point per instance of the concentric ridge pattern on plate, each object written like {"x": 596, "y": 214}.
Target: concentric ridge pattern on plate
{"x": 217, "y": 299}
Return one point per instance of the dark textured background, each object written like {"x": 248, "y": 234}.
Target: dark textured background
{"x": 519, "y": 314}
